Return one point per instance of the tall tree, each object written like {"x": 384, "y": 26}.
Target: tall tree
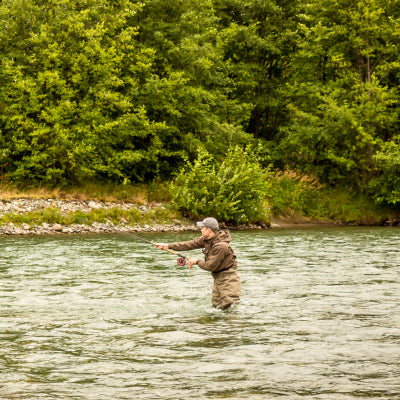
{"x": 257, "y": 37}
{"x": 68, "y": 71}
{"x": 343, "y": 92}
{"x": 189, "y": 89}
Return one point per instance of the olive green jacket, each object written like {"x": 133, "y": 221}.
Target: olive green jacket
{"x": 219, "y": 255}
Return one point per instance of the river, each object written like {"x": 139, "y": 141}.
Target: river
{"x": 109, "y": 317}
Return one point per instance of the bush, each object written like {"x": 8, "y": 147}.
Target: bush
{"x": 291, "y": 192}
{"x": 385, "y": 187}
{"x": 232, "y": 190}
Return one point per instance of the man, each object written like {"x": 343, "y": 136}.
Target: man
{"x": 220, "y": 260}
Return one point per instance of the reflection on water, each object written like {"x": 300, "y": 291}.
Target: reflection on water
{"x": 100, "y": 317}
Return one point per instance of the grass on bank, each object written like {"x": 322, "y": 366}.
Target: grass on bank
{"x": 117, "y": 216}
{"x": 138, "y": 194}
{"x": 298, "y": 197}
{"x": 291, "y": 196}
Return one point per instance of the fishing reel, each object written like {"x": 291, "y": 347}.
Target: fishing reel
{"x": 181, "y": 261}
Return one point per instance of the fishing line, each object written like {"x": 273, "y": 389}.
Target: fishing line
{"x": 181, "y": 261}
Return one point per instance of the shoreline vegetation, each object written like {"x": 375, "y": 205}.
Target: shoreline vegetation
{"x": 256, "y": 113}
{"x": 148, "y": 208}
{"x": 248, "y": 111}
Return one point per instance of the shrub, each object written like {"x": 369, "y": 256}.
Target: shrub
{"x": 291, "y": 192}
{"x": 385, "y": 187}
{"x": 232, "y": 190}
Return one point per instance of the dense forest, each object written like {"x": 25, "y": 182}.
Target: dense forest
{"x": 128, "y": 91}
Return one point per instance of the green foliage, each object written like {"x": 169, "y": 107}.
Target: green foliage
{"x": 346, "y": 206}
{"x": 256, "y": 38}
{"x": 290, "y": 192}
{"x": 232, "y": 190}
{"x": 337, "y": 140}
{"x": 386, "y": 186}
{"x": 50, "y": 215}
{"x": 189, "y": 90}
{"x": 301, "y": 197}
{"x": 343, "y": 92}
{"x": 124, "y": 92}
{"x": 160, "y": 215}
{"x": 67, "y": 93}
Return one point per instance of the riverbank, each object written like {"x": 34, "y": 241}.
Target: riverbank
{"x": 25, "y": 216}
{"x": 51, "y": 216}
{"x": 54, "y": 216}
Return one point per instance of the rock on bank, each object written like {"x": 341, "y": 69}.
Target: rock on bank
{"x": 24, "y": 206}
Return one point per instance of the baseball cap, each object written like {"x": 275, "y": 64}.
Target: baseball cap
{"x": 209, "y": 222}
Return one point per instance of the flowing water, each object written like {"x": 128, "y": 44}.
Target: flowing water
{"x": 110, "y": 317}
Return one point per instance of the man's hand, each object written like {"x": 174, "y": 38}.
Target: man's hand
{"x": 192, "y": 261}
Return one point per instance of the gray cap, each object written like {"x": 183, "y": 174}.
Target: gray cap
{"x": 209, "y": 222}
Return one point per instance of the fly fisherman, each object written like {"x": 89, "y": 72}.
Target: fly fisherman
{"x": 220, "y": 260}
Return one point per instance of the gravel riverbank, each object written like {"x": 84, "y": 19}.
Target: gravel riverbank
{"x": 26, "y": 205}
{"x": 23, "y": 206}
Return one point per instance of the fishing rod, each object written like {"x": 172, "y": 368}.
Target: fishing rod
{"x": 181, "y": 260}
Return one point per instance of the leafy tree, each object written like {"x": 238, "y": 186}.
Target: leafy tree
{"x": 343, "y": 93}
{"x": 386, "y": 186}
{"x": 189, "y": 89}
{"x": 121, "y": 91}
{"x": 257, "y": 37}
{"x": 68, "y": 71}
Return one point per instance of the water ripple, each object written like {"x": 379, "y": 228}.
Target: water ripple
{"x": 99, "y": 317}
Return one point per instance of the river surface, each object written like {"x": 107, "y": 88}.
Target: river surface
{"x": 110, "y": 317}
